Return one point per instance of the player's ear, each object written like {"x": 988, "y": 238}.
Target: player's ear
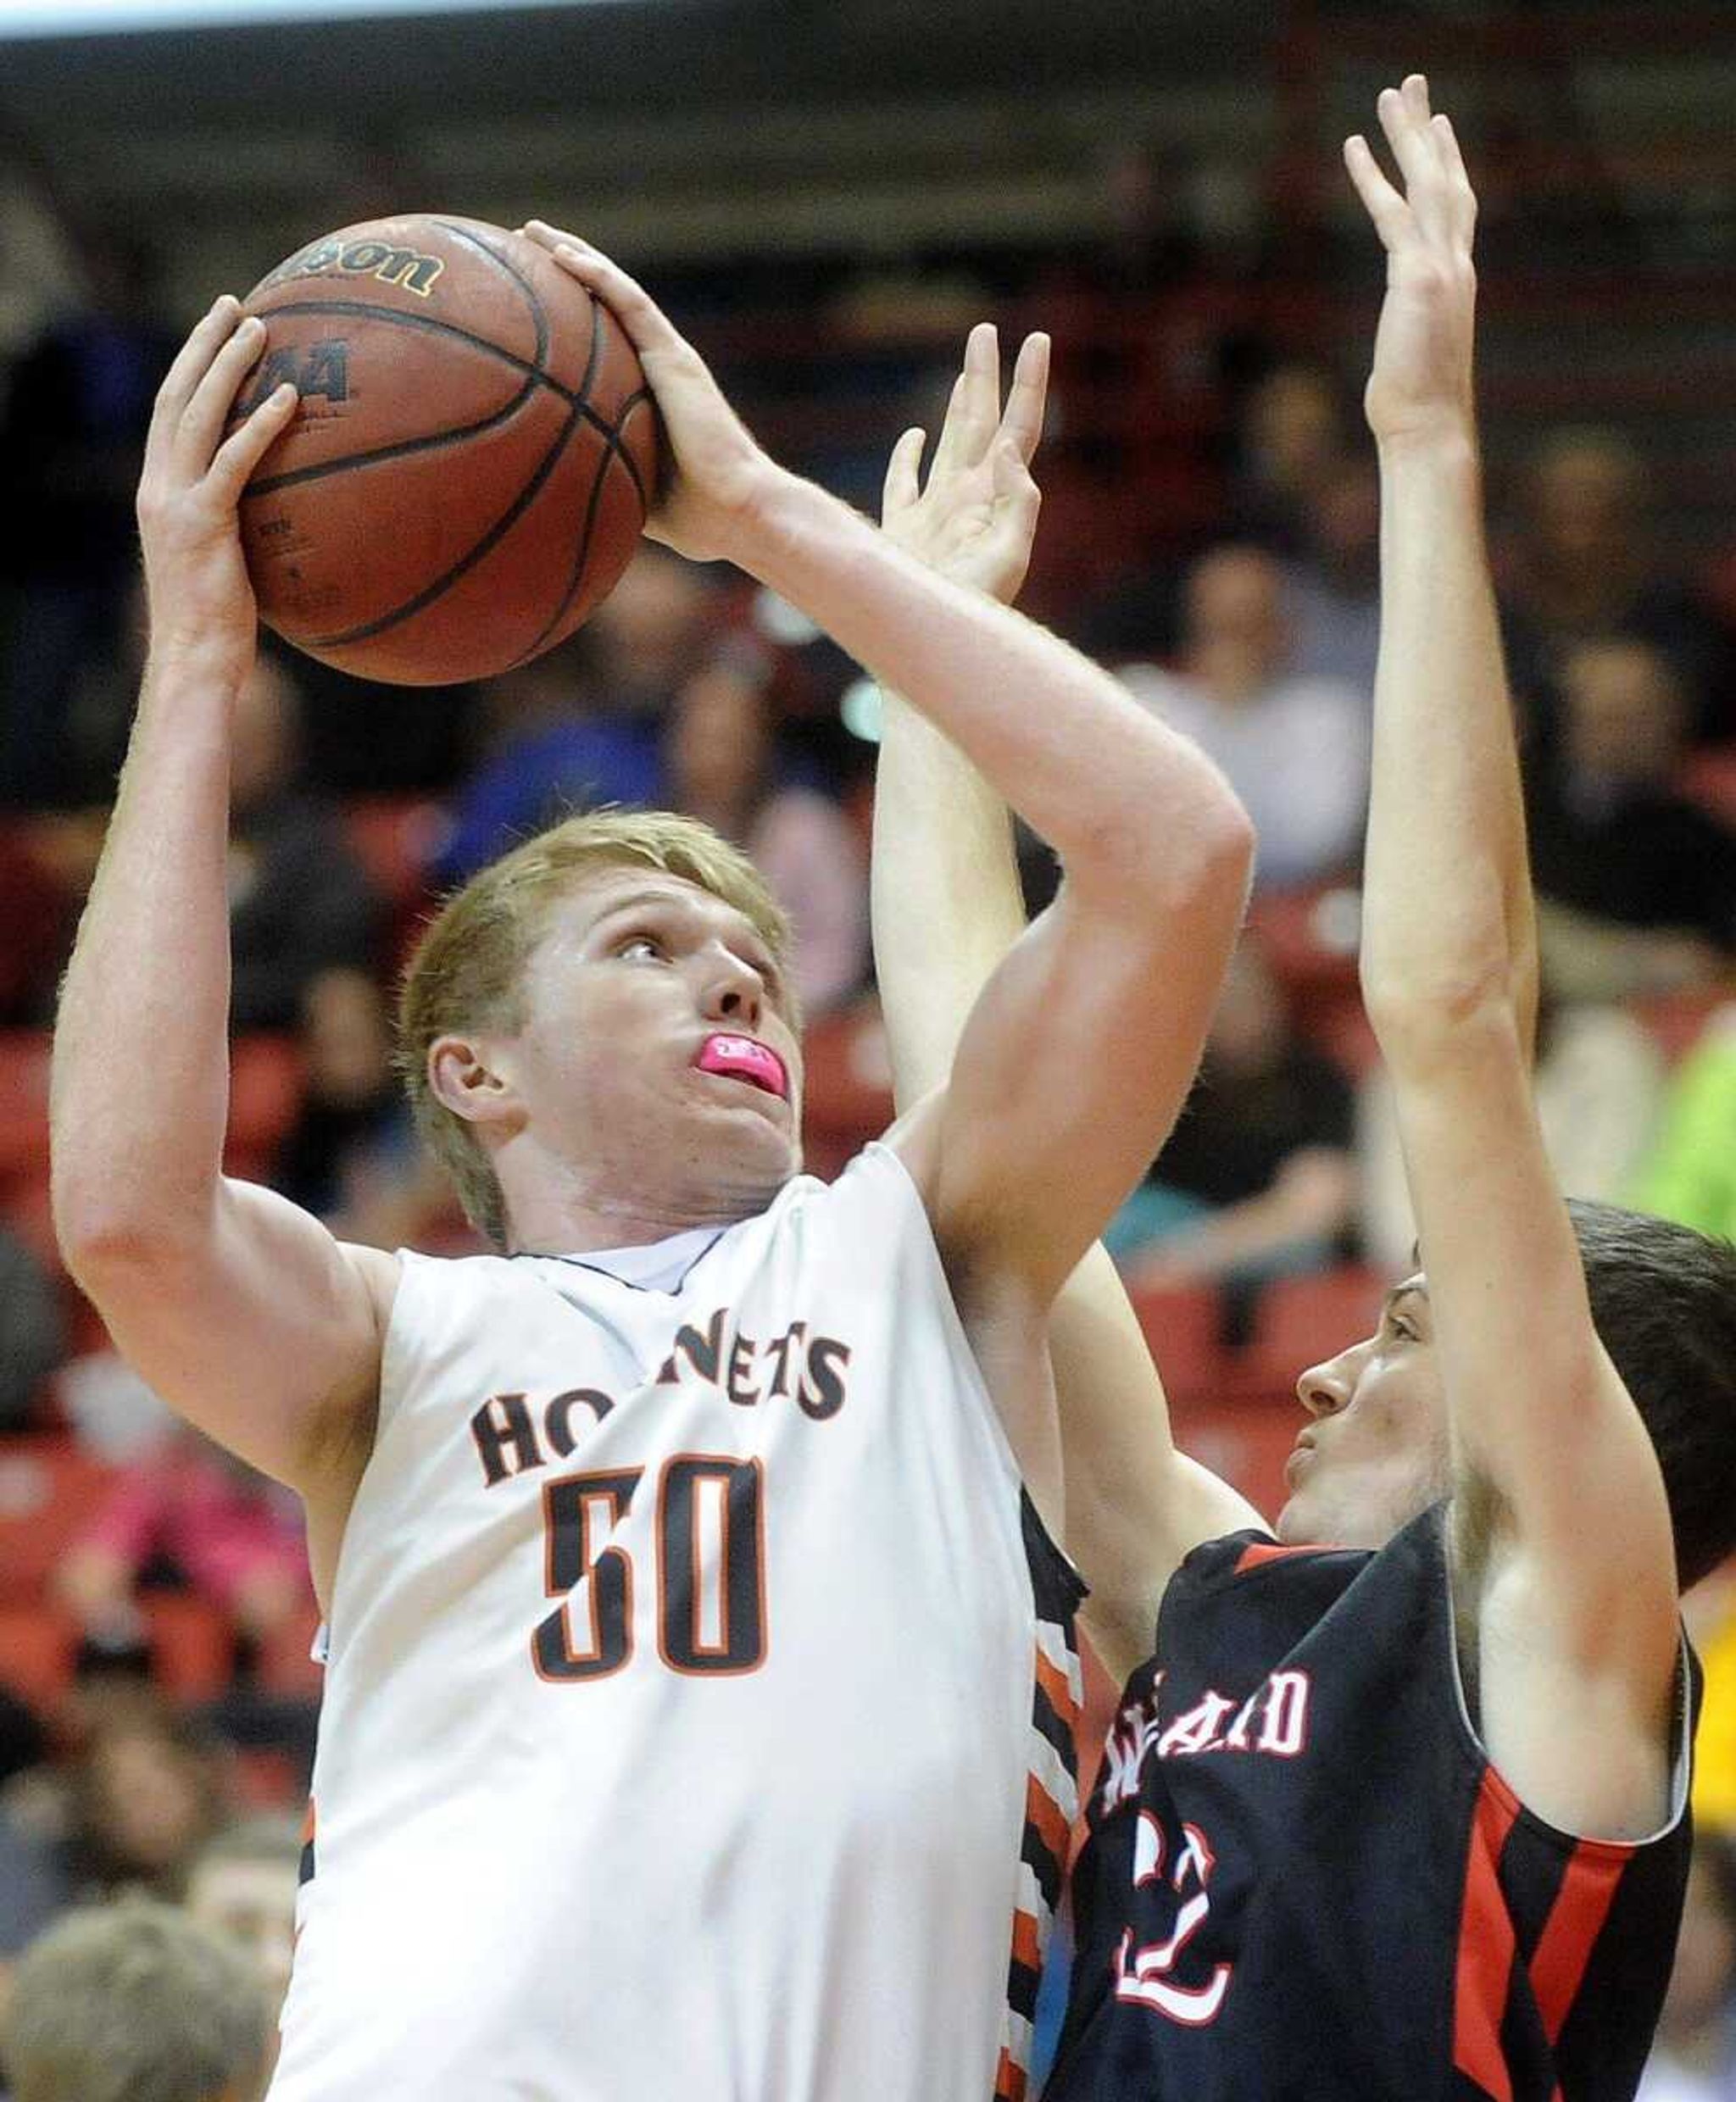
{"x": 467, "y": 1076}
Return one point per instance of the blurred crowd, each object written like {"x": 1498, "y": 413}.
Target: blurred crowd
{"x": 157, "y": 1700}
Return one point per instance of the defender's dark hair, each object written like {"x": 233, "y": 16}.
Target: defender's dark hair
{"x": 1663, "y": 1298}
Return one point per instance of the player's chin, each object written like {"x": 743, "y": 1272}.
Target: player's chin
{"x": 1296, "y": 1526}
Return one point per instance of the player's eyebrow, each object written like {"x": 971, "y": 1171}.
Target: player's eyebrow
{"x": 1411, "y": 1288}
{"x": 639, "y": 901}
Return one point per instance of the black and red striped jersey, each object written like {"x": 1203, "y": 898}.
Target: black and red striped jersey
{"x": 1304, "y": 1882}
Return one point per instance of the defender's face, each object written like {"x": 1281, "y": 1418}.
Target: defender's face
{"x": 657, "y": 1057}
{"x": 1375, "y": 1453}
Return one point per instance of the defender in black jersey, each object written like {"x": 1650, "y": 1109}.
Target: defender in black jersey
{"x": 1403, "y": 1816}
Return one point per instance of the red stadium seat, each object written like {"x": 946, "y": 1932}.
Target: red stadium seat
{"x": 1246, "y": 1441}
{"x": 1674, "y": 1020}
{"x": 37, "y": 1646}
{"x": 24, "y": 1103}
{"x": 264, "y": 1093}
{"x": 49, "y": 1490}
{"x": 286, "y": 1665}
{"x": 848, "y": 1092}
{"x": 1709, "y": 777}
{"x": 192, "y": 1643}
{"x": 1182, "y": 1325}
{"x": 395, "y": 838}
{"x": 1302, "y": 1321}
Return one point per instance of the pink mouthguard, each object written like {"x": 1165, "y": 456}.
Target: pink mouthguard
{"x": 741, "y": 1058}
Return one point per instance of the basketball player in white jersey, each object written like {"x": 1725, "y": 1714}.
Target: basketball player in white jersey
{"x": 699, "y": 1678}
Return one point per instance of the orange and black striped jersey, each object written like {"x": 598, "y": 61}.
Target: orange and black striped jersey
{"x": 700, "y": 1686}
{"x": 1304, "y": 1881}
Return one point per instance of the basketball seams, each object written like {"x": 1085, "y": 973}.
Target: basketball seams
{"x": 539, "y": 313}
{"x": 467, "y": 561}
{"x": 576, "y": 577}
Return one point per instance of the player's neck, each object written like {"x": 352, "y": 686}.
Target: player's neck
{"x": 565, "y": 1221}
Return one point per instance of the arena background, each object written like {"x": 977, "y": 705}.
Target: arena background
{"x": 826, "y": 193}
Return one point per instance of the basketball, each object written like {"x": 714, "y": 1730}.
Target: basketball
{"x": 469, "y": 468}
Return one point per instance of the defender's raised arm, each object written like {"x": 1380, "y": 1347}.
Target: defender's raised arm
{"x": 1563, "y": 1546}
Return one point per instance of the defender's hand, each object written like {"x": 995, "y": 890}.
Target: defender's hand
{"x": 717, "y": 468}
{"x": 976, "y": 517}
{"x": 196, "y": 580}
{"x": 1421, "y": 384}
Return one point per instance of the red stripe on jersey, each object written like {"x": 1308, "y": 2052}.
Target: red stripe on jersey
{"x": 1009, "y": 2080}
{"x": 1484, "y": 1970}
{"x": 1061, "y": 1696}
{"x": 1570, "y": 1934}
{"x": 1264, "y": 1551}
{"x": 308, "y": 1822}
{"x": 1027, "y": 1941}
{"x": 1046, "y": 1815}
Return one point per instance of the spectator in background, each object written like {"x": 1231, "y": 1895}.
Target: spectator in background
{"x": 722, "y": 765}
{"x": 1295, "y": 749}
{"x": 352, "y": 1156}
{"x": 71, "y": 442}
{"x": 1580, "y": 565}
{"x": 582, "y": 725}
{"x": 1290, "y": 442}
{"x": 134, "y": 2002}
{"x": 299, "y": 901}
{"x": 1258, "y": 1179}
{"x": 32, "y": 1331}
{"x": 1690, "y": 1175}
{"x": 141, "y": 1798}
{"x": 1694, "y": 2058}
{"x": 1649, "y": 875}
{"x": 1331, "y": 586}
{"x": 234, "y": 1538}
{"x": 243, "y": 1887}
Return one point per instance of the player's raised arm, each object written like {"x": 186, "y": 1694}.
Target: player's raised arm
{"x": 1564, "y": 1555}
{"x": 946, "y": 908}
{"x": 241, "y": 1310}
{"x": 1057, "y": 1099}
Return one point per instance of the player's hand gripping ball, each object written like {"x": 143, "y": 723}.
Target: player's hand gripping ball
{"x": 470, "y": 465}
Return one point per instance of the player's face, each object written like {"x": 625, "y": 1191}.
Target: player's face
{"x": 1375, "y": 1452}
{"x": 658, "y": 1062}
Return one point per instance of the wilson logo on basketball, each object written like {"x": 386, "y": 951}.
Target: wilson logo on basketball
{"x": 406, "y": 267}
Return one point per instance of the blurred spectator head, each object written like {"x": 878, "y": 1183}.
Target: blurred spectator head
{"x": 1250, "y": 1026}
{"x": 134, "y": 2002}
{"x": 1236, "y": 632}
{"x": 652, "y": 630}
{"x": 1625, "y": 712}
{"x": 1586, "y": 497}
{"x": 147, "y": 1794}
{"x": 346, "y": 1039}
{"x": 243, "y": 1886}
{"x": 1293, "y": 429}
{"x": 718, "y": 747}
{"x": 1343, "y": 519}
{"x": 267, "y": 734}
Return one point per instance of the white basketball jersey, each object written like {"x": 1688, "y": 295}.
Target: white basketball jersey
{"x": 698, "y": 1710}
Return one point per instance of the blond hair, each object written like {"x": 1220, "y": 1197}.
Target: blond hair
{"x": 134, "y": 2002}
{"x": 466, "y": 971}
